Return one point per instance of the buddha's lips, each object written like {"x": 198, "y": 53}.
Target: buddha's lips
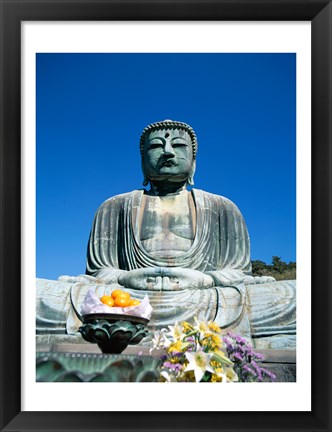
{"x": 167, "y": 163}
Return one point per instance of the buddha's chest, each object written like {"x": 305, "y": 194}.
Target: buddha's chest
{"x": 167, "y": 224}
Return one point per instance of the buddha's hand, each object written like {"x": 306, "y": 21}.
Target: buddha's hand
{"x": 176, "y": 278}
{"x": 140, "y": 279}
{"x": 165, "y": 279}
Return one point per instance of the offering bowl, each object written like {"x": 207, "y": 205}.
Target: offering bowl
{"x": 113, "y": 332}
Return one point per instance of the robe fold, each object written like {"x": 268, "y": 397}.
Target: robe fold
{"x": 221, "y": 241}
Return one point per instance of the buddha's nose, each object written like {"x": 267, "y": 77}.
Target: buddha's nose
{"x": 168, "y": 150}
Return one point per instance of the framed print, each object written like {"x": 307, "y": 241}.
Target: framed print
{"x": 44, "y": 43}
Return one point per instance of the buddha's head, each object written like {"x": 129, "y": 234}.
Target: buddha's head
{"x": 168, "y": 151}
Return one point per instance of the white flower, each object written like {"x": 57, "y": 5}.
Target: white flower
{"x": 159, "y": 340}
{"x": 168, "y": 377}
{"x": 223, "y": 376}
{"x": 227, "y": 374}
{"x": 225, "y": 371}
{"x": 231, "y": 375}
{"x": 167, "y": 342}
{"x": 201, "y": 327}
{"x": 175, "y": 332}
{"x": 199, "y": 362}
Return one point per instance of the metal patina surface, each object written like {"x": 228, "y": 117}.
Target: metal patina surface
{"x": 78, "y": 367}
{"x": 111, "y": 333}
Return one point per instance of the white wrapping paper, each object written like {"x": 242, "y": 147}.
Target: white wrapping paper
{"x": 92, "y": 304}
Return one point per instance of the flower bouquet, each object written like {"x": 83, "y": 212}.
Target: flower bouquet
{"x": 198, "y": 352}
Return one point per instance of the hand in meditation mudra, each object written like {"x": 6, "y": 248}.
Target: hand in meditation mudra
{"x": 188, "y": 250}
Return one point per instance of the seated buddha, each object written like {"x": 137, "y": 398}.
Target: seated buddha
{"x": 188, "y": 250}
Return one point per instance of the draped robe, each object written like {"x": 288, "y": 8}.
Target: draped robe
{"x": 221, "y": 242}
{"x": 220, "y": 249}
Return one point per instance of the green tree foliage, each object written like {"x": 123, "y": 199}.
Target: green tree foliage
{"x": 279, "y": 269}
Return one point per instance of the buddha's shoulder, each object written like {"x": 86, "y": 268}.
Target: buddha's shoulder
{"x": 214, "y": 198}
{"x": 118, "y": 200}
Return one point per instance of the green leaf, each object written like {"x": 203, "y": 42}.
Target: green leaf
{"x": 221, "y": 359}
{"x": 190, "y": 334}
{"x": 184, "y": 345}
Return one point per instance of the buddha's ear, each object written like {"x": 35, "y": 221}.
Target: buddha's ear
{"x": 145, "y": 179}
{"x": 190, "y": 180}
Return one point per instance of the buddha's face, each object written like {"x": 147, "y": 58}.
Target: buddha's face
{"x": 168, "y": 155}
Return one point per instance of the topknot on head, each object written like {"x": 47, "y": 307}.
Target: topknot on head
{"x": 169, "y": 124}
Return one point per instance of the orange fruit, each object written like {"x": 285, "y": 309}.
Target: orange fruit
{"x": 124, "y": 295}
{"x": 107, "y": 300}
{"x": 116, "y": 292}
{"x": 134, "y": 302}
{"x": 121, "y": 301}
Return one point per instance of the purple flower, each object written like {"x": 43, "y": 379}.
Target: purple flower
{"x": 258, "y": 370}
{"x": 243, "y": 349}
{"x": 173, "y": 366}
{"x": 191, "y": 348}
{"x": 269, "y": 374}
{"x": 177, "y": 353}
{"x": 248, "y": 369}
{"x": 240, "y": 340}
{"x": 241, "y": 352}
{"x": 259, "y": 356}
{"x": 238, "y": 356}
{"x": 229, "y": 345}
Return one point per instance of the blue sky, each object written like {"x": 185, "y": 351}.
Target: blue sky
{"x": 92, "y": 108}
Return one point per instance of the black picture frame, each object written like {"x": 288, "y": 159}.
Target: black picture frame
{"x": 319, "y": 12}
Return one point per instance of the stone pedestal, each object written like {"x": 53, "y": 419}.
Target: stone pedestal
{"x": 76, "y": 360}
